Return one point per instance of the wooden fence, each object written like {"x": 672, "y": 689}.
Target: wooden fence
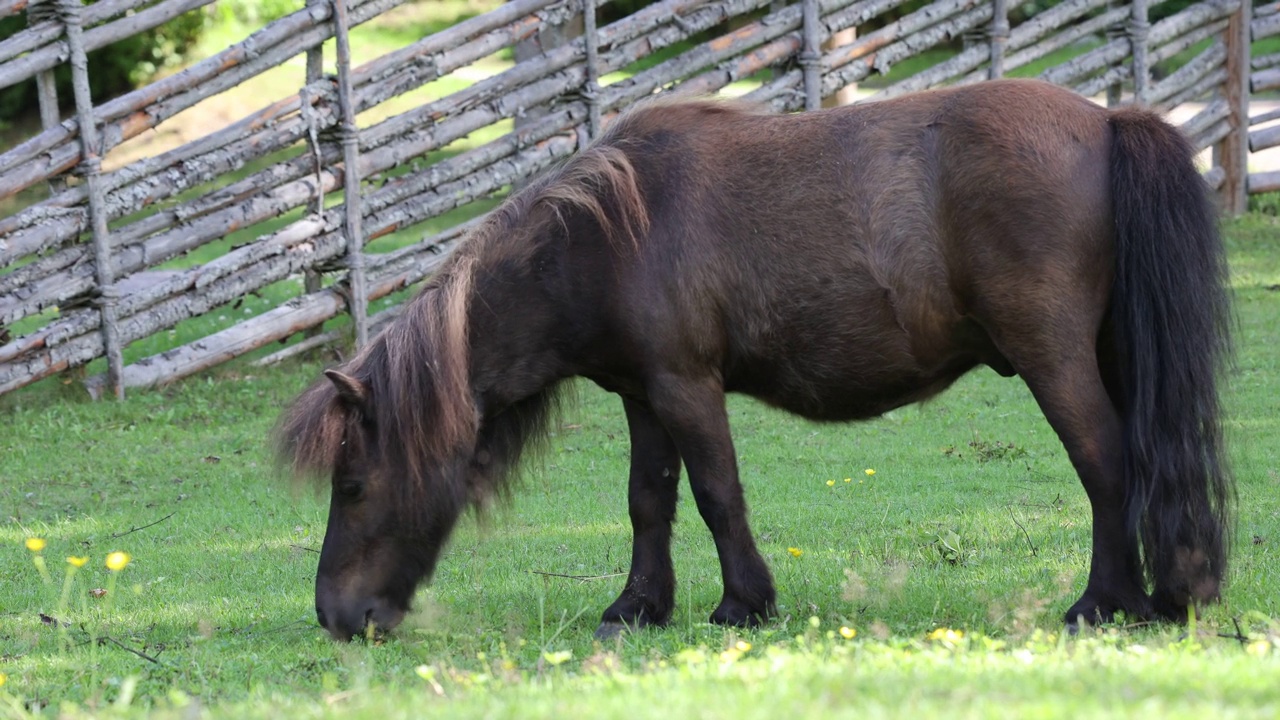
{"x": 91, "y": 268}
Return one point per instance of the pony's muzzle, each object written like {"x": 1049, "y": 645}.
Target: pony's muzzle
{"x": 345, "y": 620}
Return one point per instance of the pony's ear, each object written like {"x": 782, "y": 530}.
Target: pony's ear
{"x": 351, "y": 391}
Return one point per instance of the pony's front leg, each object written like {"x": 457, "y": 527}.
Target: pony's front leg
{"x": 693, "y": 412}
{"x": 649, "y": 595}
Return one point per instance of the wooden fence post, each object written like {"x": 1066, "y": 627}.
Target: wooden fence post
{"x": 91, "y": 167}
{"x": 548, "y": 38}
{"x": 848, "y": 94}
{"x": 973, "y": 36}
{"x": 811, "y": 56}
{"x": 47, "y": 87}
{"x": 998, "y": 37}
{"x": 778, "y": 69}
{"x": 312, "y": 278}
{"x": 591, "y": 88}
{"x": 357, "y": 298}
{"x": 1232, "y": 153}
{"x": 1139, "y": 28}
{"x": 1113, "y": 32}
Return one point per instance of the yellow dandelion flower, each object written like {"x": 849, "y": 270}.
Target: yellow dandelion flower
{"x": 77, "y": 561}
{"x": 558, "y": 657}
{"x": 1258, "y": 648}
{"x": 847, "y": 632}
{"x": 690, "y": 656}
{"x": 869, "y": 472}
{"x": 848, "y": 479}
{"x": 732, "y": 655}
{"x": 117, "y": 560}
{"x": 946, "y": 635}
{"x": 815, "y": 622}
{"x": 830, "y": 483}
{"x": 3, "y": 678}
{"x": 795, "y": 552}
{"x": 35, "y": 544}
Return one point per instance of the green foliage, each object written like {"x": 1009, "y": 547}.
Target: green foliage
{"x": 1265, "y": 203}
{"x": 114, "y": 69}
{"x": 950, "y": 547}
{"x": 255, "y": 12}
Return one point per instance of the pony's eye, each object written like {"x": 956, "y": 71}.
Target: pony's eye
{"x": 349, "y": 488}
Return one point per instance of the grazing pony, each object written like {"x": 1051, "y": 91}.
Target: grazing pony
{"x": 837, "y": 264}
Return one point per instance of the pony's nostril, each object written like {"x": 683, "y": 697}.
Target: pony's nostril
{"x": 324, "y": 622}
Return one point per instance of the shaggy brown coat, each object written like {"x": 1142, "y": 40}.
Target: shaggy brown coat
{"x": 837, "y": 264}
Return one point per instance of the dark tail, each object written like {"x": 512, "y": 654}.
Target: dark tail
{"x": 1172, "y": 320}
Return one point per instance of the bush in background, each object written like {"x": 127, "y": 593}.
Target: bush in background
{"x": 134, "y": 61}
{"x": 254, "y": 12}
{"x": 115, "y": 69}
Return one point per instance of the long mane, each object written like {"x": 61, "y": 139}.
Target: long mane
{"x": 418, "y": 369}
{"x": 416, "y": 372}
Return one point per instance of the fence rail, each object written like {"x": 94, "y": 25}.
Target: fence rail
{"x": 93, "y": 267}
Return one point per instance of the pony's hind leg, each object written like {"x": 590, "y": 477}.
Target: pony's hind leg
{"x": 649, "y": 595}
{"x": 693, "y": 411}
{"x": 1065, "y": 380}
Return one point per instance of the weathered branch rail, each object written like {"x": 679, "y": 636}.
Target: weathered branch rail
{"x": 95, "y": 266}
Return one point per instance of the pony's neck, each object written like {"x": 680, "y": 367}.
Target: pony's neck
{"x": 539, "y": 289}
{"x": 521, "y": 329}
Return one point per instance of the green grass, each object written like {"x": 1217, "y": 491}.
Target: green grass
{"x": 973, "y": 520}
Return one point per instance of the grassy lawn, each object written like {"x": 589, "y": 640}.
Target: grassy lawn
{"x": 949, "y": 567}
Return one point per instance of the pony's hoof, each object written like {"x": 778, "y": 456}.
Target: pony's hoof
{"x": 609, "y": 630}
{"x": 1073, "y": 627}
{"x": 1080, "y": 621}
{"x": 737, "y": 614}
{"x": 1090, "y": 611}
{"x": 1170, "y": 607}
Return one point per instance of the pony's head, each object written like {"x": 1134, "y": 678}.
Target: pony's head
{"x": 394, "y": 433}
{"x": 422, "y": 424}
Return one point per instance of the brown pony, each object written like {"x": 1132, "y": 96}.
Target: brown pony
{"x": 837, "y": 264}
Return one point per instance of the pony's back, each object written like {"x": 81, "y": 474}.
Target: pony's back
{"x": 848, "y": 238}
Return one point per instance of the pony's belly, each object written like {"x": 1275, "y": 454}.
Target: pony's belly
{"x": 844, "y": 397}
